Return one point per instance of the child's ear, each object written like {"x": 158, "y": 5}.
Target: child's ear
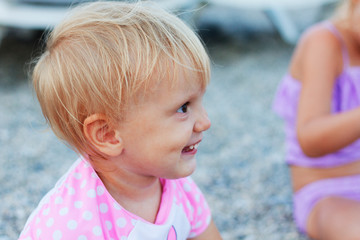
{"x": 101, "y": 135}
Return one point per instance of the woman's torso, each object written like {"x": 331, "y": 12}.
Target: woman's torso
{"x": 346, "y": 96}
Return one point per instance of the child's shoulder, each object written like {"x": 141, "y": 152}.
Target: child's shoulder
{"x": 319, "y": 36}
{"x": 193, "y": 202}
{"x": 186, "y": 192}
{"x": 187, "y": 185}
{"x": 75, "y": 204}
{"x": 318, "y": 47}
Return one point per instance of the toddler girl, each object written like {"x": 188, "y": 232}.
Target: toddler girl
{"x": 122, "y": 84}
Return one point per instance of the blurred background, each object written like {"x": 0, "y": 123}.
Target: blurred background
{"x": 241, "y": 167}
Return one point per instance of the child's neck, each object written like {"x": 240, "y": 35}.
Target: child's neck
{"x": 142, "y": 196}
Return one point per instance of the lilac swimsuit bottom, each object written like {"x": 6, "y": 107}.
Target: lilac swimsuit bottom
{"x": 306, "y": 198}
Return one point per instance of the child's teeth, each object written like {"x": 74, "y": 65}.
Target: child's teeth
{"x": 192, "y": 147}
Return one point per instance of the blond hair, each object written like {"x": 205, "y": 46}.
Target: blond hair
{"x": 103, "y": 55}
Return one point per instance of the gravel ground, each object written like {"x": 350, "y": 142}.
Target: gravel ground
{"x": 240, "y": 162}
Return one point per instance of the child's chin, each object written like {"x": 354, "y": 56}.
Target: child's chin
{"x": 184, "y": 172}
{"x": 190, "y": 168}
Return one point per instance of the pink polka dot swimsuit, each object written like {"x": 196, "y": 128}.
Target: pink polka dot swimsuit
{"x": 79, "y": 207}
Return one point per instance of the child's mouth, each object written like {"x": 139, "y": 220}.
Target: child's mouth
{"x": 190, "y": 148}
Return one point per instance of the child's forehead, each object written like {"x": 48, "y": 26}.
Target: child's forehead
{"x": 179, "y": 76}
{"x": 179, "y": 83}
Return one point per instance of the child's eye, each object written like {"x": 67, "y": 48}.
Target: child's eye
{"x": 183, "y": 108}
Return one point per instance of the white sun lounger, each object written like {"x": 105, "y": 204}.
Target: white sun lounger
{"x": 17, "y": 14}
{"x": 277, "y": 11}
{"x": 29, "y": 14}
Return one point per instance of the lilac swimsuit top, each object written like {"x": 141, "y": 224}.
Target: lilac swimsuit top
{"x": 346, "y": 96}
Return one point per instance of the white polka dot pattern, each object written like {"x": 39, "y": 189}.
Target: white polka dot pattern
{"x": 103, "y": 207}
{"x": 57, "y": 235}
{"x": 72, "y": 224}
{"x": 121, "y": 222}
{"x": 81, "y": 208}
{"x": 50, "y": 222}
{"x": 78, "y": 204}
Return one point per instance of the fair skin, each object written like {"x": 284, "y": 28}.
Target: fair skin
{"x": 316, "y": 63}
{"x": 158, "y": 139}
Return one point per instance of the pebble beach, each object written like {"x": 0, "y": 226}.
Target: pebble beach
{"x": 240, "y": 169}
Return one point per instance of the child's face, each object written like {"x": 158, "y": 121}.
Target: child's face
{"x": 161, "y": 134}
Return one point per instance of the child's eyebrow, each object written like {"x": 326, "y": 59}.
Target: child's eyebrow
{"x": 193, "y": 95}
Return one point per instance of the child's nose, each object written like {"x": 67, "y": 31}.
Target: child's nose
{"x": 203, "y": 122}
